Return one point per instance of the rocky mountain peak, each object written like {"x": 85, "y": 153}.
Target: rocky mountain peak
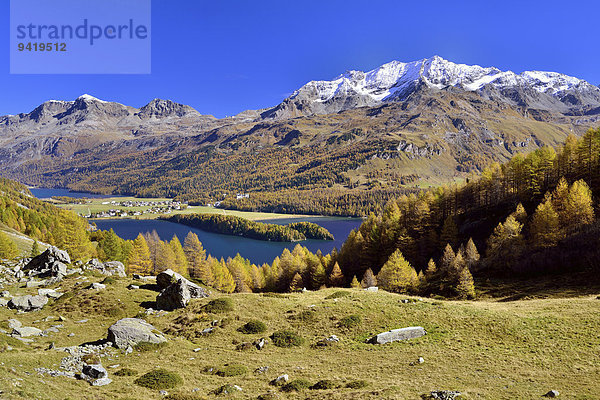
{"x": 396, "y": 80}
{"x": 159, "y": 108}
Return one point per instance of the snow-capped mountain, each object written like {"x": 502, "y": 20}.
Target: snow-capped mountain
{"x": 396, "y": 81}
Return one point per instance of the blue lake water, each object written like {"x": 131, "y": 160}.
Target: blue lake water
{"x": 217, "y": 245}
{"x": 257, "y": 251}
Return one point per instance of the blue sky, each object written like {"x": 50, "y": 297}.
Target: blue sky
{"x": 225, "y": 56}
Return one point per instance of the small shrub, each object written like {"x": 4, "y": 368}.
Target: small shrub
{"x": 252, "y": 327}
{"x": 296, "y": 385}
{"x": 244, "y": 346}
{"x": 91, "y": 359}
{"x": 304, "y": 316}
{"x": 357, "y": 384}
{"x": 232, "y": 370}
{"x": 109, "y": 280}
{"x": 286, "y": 339}
{"x": 350, "y": 321}
{"x": 115, "y": 313}
{"x": 338, "y": 295}
{"x": 159, "y": 379}
{"x": 324, "y": 384}
{"x": 126, "y": 372}
{"x": 226, "y": 389}
{"x": 218, "y": 306}
{"x": 143, "y": 347}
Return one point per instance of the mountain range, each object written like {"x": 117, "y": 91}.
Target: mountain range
{"x": 400, "y": 125}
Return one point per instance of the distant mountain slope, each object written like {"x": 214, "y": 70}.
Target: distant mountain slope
{"x": 402, "y": 125}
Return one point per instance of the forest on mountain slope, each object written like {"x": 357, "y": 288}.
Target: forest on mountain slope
{"x": 349, "y": 163}
{"x": 534, "y": 215}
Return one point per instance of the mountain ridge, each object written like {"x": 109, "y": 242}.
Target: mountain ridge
{"x": 429, "y": 131}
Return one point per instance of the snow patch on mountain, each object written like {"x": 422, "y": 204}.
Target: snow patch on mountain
{"x": 396, "y": 78}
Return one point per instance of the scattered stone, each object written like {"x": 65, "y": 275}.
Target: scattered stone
{"x": 108, "y": 268}
{"x": 26, "y": 331}
{"x": 82, "y": 321}
{"x": 163, "y": 392}
{"x": 14, "y": 323}
{"x": 28, "y": 302}
{"x": 50, "y": 293}
{"x": 197, "y": 349}
{"x": 133, "y": 287}
{"x": 131, "y": 331}
{"x": 178, "y": 294}
{"x": 329, "y": 341}
{"x": 260, "y": 343}
{"x": 552, "y": 394}
{"x": 372, "y": 289}
{"x": 71, "y": 334}
{"x": 261, "y": 370}
{"x": 444, "y": 395}
{"x": 421, "y": 360}
{"x": 280, "y": 380}
{"x": 128, "y": 350}
{"x": 34, "y": 283}
{"x": 97, "y": 286}
{"x": 394, "y": 335}
{"x": 52, "y": 372}
{"x": 61, "y": 318}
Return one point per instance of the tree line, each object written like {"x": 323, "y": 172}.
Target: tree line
{"x": 233, "y": 225}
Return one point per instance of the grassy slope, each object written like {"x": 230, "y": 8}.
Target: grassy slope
{"x": 22, "y": 241}
{"x": 486, "y": 349}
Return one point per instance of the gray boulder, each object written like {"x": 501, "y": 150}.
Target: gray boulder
{"x": 178, "y": 295}
{"x": 552, "y": 394}
{"x": 97, "y": 286}
{"x": 108, "y": 268}
{"x": 443, "y": 395}
{"x": 167, "y": 277}
{"x": 50, "y": 264}
{"x": 26, "y": 331}
{"x": 14, "y": 323}
{"x": 395, "y": 335}
{"x": 50, "y": 293}
{"x": 28, "y": 302}
{"x": 132, "y": 331}
{"x": 96, "y": 374}
{"x": 115, "y": 268}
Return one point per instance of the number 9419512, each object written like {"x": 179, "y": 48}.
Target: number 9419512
{"x": 35, "y": 46}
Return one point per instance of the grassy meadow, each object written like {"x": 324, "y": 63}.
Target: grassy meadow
{"x": 487, "y": 349}
{"x": 96, "y": 206}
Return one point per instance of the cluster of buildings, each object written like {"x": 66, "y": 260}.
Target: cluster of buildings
{"x": 152, "y": 207}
